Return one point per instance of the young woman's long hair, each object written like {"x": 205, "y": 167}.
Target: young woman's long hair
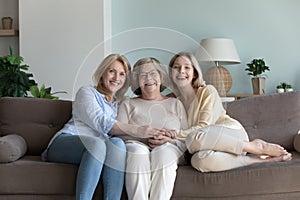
{"x": 198, "y": 78}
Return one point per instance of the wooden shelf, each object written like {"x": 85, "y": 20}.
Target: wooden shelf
{"x": 8, "y": 32}
{"x": 227, "y": 99}
{"x": 239, "y": 96}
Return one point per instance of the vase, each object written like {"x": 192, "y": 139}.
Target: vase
{"x": 289, "y": 90}
{"x": 280, "y": 90}
{"x": 7, "y": 23}
{"x": 258, "y": 85}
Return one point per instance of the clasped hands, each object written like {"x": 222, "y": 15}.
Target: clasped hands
{"x": 162, "y": 136}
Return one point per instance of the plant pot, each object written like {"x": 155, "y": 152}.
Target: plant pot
{"x": 7, "y": 23}
{"x": 289, "y": 90}
{"x": 280, "y": 90}
{"x": 258, "y": 85}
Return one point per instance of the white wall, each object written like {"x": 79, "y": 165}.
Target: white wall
{"x": 56, "y": 38}
{"x": 55, "y": 51}
{"x": 266, "y": 29}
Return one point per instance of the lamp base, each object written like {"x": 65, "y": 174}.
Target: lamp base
{"x": 220, "y": 78}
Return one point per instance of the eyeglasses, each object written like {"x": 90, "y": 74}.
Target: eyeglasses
{"x": 152, "y": 74}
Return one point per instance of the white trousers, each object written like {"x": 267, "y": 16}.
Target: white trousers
{"x": 150, "y": 174}
{"x": 217, "y": 148}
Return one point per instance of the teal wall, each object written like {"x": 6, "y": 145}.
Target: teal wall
{"x": 266, "y": 29}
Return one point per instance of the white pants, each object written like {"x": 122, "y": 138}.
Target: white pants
{"x": 217, "y": 148}
{"x": 150, "y": 174}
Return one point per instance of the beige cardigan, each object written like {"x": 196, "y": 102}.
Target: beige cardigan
{"x": 207, "y": 109}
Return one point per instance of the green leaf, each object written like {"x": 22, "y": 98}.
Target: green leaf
{"x": 48, "y": 90}
{"x": 14, "y": 81}
{"x": 34, "y": 90}
{"x": 59, "y": 92}
{"x": 24, "y": 67}
{"x": 42, "y": 91}
{"x": 257, "y": 67}
{"x": 47, "y": 96}
{"x": 15, "y": 60}
{"x": 54, "y": 97}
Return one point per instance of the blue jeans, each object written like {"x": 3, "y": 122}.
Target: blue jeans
{"x": 90, "y": 153}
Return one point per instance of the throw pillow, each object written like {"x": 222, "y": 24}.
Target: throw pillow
{"x": 12, "y": 147}
{"x": 297, "y": 142}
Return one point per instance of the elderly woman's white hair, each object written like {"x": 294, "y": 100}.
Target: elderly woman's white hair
{"x": 135, "y": 87}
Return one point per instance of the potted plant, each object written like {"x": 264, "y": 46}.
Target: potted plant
{"x": 256, "y": 69}
{"x": 44, "y": 92}
{"x": 7, "y": 22}
{"x": 289, "y": 88}
{"x": 284, "y": 87}
{"x": 14, "y": 81}
{"x": 280, "y": 89}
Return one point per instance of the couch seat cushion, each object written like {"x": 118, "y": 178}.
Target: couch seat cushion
{"x": 258, "y": 179}
{"x": 12, "y": 147}
{"x": 30, "y": 175}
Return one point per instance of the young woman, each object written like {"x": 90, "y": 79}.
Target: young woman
{"x": 151, "y": 167}
{"x": 85, "y": 139}
{"x": 217, "y": 141}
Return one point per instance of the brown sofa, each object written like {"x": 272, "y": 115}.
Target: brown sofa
{"x": 275, "y": 118}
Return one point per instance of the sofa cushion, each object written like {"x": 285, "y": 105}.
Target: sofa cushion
{"x": 30, "y": 175}
{"x": 297, "y": 142}
{"x": 12, "y": 147}
{"x": 35, "y": 119}
{"x": 274, "y": 118}
{"x": 241, "y": 183}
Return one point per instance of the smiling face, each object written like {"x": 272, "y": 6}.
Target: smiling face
{"x": 149, "y": 79}
{"x": 114, "y": 77}
{"x": 182, "y": 71}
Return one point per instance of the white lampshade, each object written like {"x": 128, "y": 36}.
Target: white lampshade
{"x": 219, "y": 50}
{"x": 222, "y": 52}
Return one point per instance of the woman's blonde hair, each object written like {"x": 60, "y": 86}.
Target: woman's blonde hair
{"x": 198, "y": 77}
{"x": 136, "y": 72}
{"x": 103, "y": 66}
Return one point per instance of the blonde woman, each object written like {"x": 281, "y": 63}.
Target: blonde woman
{"x": 85, "y": 139}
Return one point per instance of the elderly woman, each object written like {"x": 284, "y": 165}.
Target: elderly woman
{"x": 151, "y": 168}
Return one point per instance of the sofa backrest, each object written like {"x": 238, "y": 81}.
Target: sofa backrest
{"x": 36, "y": 120}
{"x": 274, "y": 118}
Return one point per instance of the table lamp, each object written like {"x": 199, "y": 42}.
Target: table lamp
{"x": 222, "y": 52}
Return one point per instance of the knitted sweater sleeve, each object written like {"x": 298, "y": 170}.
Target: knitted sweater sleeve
{"x": 204, "y": 110}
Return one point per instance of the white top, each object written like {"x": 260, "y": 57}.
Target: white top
{"x": 167, "y": 113}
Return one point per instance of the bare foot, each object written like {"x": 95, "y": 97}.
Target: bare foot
{"x": 260, "y": 147}
{"x": 280, "y": 158}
